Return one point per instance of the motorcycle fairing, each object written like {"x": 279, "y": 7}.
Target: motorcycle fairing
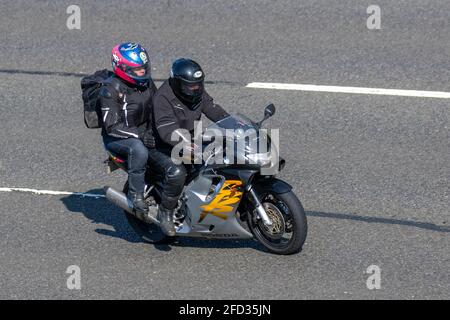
{"x": 211, "y": 207}
{"x": 223, "y": 202}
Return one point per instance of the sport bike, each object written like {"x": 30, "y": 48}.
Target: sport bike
{"x": 234, "y": 199}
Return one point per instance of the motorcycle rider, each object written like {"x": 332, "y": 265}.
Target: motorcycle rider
{"x": 126, "y": 103}
{"x": 177, "y": 104}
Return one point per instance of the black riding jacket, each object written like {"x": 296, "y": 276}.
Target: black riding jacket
{"x": 170, "y": 114}
{"x": 126, "y": 109}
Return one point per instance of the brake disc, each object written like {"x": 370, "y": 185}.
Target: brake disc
{"x": 278, "y": 227}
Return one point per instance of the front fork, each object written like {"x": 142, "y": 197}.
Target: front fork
{"x": 254, "y": 199}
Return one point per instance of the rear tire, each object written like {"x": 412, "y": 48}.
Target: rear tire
{"x": 290, "y": 217}
{"x": 148, "y": 232}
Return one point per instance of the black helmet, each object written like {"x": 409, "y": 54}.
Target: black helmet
{"x": 186, "y": 81}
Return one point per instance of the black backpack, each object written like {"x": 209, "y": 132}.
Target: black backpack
{"x": 90, "y": 88}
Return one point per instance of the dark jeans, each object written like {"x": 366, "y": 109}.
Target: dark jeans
{"x": 136, "y": 155}
{"x": 174, "y": 176}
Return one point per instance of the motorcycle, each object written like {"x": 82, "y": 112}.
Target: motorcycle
{"x": 231, "y": 200}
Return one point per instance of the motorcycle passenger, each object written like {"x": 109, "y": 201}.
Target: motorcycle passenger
{"x": 126, "y": 104}
{"x": 179, "y": 102}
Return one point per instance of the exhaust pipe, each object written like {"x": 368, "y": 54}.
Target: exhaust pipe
{"x": 121, "y": 200}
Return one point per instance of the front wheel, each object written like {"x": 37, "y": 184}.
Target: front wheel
{"x": 287, "y": 233}
{"x": 149, "y": 232}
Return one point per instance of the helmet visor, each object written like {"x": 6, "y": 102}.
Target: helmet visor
{"x": 194, "y": 89}
{"x": 140, "y": 73}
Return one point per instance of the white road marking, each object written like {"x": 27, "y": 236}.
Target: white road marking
{"x": 50, "y": 192}
{"x": 357, "y": 90}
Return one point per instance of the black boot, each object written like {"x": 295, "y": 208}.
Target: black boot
{"x": 137, "y": 199}
{"x": 165, "y": 217}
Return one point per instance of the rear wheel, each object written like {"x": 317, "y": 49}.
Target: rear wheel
{"x": 288, "y": 232}
{"x": 149, "y": 232}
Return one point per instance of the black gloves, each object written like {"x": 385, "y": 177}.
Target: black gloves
{"x": 148, "y": 140}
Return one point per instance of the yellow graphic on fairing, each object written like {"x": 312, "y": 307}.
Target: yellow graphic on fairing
{"x": 222, "y": 203}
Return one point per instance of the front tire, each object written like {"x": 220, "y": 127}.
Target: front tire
{"x": 288, "y": 232}
{"x": 148, "y": 232}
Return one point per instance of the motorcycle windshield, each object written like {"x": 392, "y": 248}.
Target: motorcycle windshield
{"x": 234, "y": 122}
{"x": 249, "y": 144}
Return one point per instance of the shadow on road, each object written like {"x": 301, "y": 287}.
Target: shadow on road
{"x": 218, "y": 244}
{"x": 101, "y": 211}
{"x": 368, "y": 219}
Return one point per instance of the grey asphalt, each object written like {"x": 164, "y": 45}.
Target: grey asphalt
{"x": 372, "y": 172}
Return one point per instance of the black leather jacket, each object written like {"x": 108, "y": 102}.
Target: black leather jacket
{"x": 170, "y": 114}
{"x": 126, "y": 109}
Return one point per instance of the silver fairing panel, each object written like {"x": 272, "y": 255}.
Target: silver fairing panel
{"x": 212, "y": 203}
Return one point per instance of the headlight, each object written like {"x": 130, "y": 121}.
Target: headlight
{"x": 261, "y": 159}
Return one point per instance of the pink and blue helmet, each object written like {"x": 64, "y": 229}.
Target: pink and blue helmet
{"x": 127, "y": 58}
